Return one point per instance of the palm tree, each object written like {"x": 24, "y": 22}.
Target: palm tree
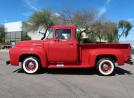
{"x": 40, "y": 20}
{"x": 125, "y": 26}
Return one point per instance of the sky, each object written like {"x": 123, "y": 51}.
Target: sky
{"x": 114, "y": 10}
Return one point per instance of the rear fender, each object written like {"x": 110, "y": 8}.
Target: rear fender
{"x": 113, "y": 52}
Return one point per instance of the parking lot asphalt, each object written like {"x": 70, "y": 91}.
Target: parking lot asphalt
{"x": 64, "y": 83}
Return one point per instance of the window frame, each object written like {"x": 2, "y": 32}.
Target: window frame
{"x": 63, "y": 29}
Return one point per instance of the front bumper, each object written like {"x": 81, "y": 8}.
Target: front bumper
{"x": 7, "y": 62}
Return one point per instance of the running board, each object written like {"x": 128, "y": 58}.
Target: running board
{"x": 68, "y": 66}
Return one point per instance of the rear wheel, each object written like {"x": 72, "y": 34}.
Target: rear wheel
{"x": 105, "y": 66}
{"x": 31, "y": 65}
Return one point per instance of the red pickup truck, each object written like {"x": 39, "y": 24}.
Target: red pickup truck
{"x": 61, "y": 49}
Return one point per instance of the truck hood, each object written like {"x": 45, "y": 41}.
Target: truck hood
{"x": 30, "y": 43}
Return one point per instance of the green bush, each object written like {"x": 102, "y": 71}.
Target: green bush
{"x": 26, "y": 38}
{"x": 2, "y": 34}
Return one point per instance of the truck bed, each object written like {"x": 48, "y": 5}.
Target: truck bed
{"x": 121, "y": 51}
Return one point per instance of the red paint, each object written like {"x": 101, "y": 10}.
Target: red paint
{"x": 68, "y": 52}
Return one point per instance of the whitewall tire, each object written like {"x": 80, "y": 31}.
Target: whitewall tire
{"x": 105, "y": 66}
{"x": 31, "y": 65}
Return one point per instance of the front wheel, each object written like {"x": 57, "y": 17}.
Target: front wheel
{"x": 31, "y": 65}
{"x": 105, "y": 66}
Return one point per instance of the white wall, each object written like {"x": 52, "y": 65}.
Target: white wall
{"x": 13, "y": 26}
{"x": 18, "y": 26}
{"x": 35, "y": 35}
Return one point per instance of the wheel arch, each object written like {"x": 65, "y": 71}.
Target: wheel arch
{"x": 23, "y": 56}
{"x": 40, "y": 58}
{"x": 109, "y": 56}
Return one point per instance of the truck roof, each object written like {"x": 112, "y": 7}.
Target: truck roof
{"x": 63, "y": 26}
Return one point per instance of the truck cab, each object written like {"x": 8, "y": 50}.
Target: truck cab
{"x": 63, "y": 46}
{"x": 62, "y": 49}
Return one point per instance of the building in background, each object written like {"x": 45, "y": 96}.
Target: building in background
{"x": 15, "y": 32}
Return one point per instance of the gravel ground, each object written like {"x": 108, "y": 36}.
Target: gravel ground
{"x": 64, "y": 83}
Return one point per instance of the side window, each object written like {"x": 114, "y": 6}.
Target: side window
{"x": 64, "y": 34}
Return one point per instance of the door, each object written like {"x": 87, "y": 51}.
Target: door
{"x": 62, "y": 49}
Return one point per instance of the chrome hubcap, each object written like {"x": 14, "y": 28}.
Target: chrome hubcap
{"x": 31, "y": 65}
{"x": 106, "y": 67}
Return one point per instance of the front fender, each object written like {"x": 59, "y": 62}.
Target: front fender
{"x": 17, "y": 52}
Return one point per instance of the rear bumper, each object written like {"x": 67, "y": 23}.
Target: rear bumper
{"x": 129, "y": 61}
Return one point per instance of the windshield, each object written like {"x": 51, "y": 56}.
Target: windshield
{"x": 49, "y": 34}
